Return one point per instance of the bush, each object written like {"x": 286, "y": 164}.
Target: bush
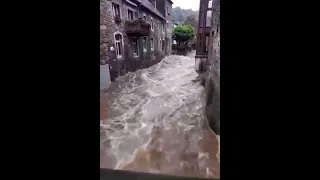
{"x": 183, "y": 33}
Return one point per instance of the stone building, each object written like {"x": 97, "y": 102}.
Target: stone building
{"x": 165, "y": 7}
{"x": 134, "y": 34}
{"x": 207, "y": 59}
{"x": 208, "y": 38}
{"x": 212, "y": 89}
{"x": 214, "y": 39}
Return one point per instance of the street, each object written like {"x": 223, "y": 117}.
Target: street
{"x": 152, "y": 120}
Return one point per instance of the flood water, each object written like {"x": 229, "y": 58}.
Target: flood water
{"x": 152, "y": 120}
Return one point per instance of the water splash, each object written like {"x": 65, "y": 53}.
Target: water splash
{"x": 152, "y": 121}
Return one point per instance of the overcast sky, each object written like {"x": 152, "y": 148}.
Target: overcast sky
{"x": 186, "y": 4}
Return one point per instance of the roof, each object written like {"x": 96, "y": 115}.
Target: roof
{"x": 150, "y": 7}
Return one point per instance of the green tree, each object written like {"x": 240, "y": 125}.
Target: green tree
{"x": 183, "y": 33}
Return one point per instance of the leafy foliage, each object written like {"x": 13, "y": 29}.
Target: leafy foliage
{"x": 183, "y": 32}
{"x": 180, "y": 15}
{"x": 193, "y": 22}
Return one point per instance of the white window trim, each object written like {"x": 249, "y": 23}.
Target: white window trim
{"x": 152, "y": 24}
{"x": 115, "y": 43}
{"x": 210, "y": 4}
{"x": 113, "y": 10}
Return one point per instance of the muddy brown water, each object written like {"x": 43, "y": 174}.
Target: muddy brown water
{"x": 152, "y": 120}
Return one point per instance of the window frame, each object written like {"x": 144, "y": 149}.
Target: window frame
{"x": 210, "y": 3}
{"x": 152, "y": 24}
{"x": 136, "y": 46}
{"x": 144, "y": 43}
{"x": 162, "y": 45}
{"x": 132, "y": 15}
{"x": 116, "y": 42}
{"x": 163, "y": 28}
{"x": 114, "y": 8}
{"x": 152, "y": 43}
{"x": 144, "y": 16}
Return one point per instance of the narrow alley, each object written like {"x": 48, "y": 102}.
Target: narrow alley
{"x": 152, "y": 120}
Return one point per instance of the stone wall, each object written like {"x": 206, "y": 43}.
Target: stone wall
{"x": 212, "y": 86}
{"x": 106, "y": 39}
{"x": 104, "y": 77}
{"x": 214, "y": 39}
{"x": 109, "y": 27}
{"x": 149, "y": 57}
{"x": 161, "y": 6}
{"x": 169, "y": 16}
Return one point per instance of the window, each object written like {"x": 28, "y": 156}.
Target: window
{"x": 152, "y": 24}
{"x": 210, "y": 4}
{"x": 162, "y": 44}
{"x": 135, "y": 47}
{"x": 168, "y": 11}
{"x": 144, "y": 17}
{"x": 151, "y": 43}
{"x": 118, "y": 40}
{"x": 208, "y": 19}
{"x": 116, "y": 10}
{"x": 163, "y": 28}
{"x": 144, "y": 43}
{"x": 206, "y": 44}
{"x": 130, "y": 15}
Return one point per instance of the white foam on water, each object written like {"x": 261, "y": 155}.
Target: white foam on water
{"x": 163, "y": 95}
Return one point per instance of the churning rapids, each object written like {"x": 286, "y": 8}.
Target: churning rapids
{"x": 152, "y": 121}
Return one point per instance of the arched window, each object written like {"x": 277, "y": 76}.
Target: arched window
{"x": 119, "y": 44}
